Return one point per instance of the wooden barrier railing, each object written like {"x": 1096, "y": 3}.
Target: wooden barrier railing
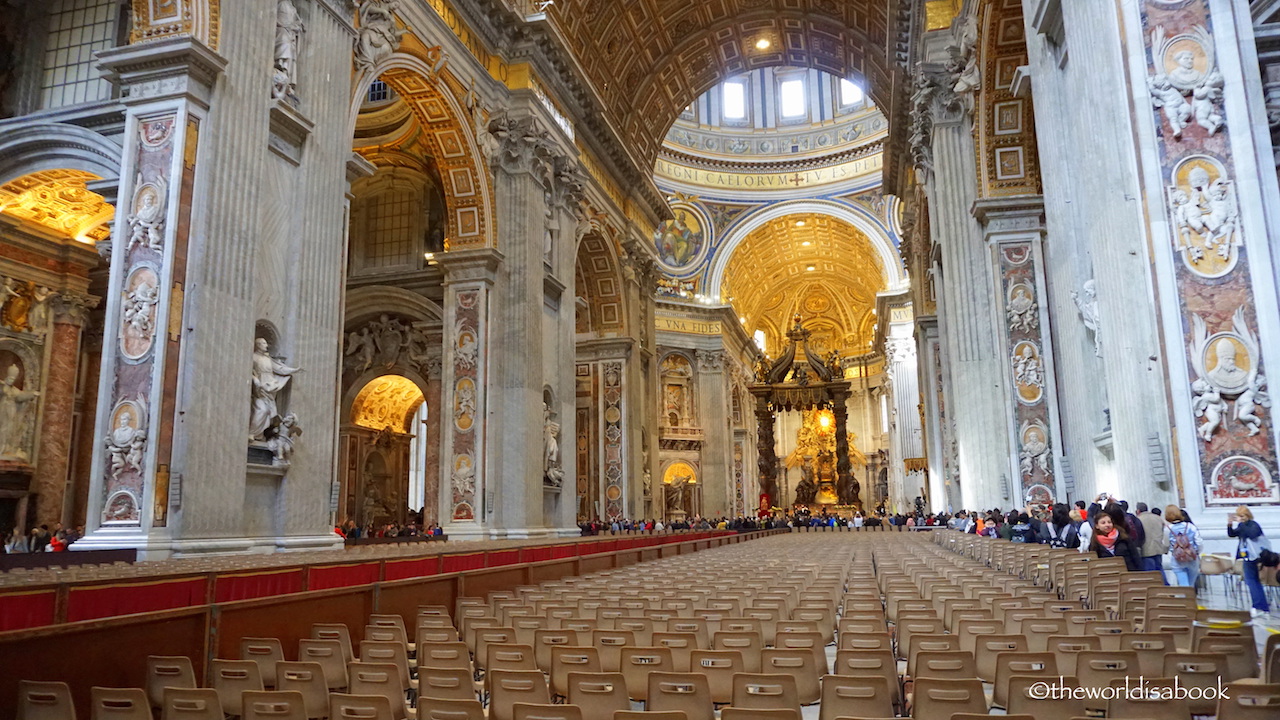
{"x": 38, "y": 605}
{"x": 112, "y": 651}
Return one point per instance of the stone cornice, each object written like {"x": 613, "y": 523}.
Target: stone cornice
{"x": 470, "y": 265}
{"x": 180, "y": 67}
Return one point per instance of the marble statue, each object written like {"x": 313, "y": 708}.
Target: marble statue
{"x": 17, "y": 415}
{"x": 806, "y": 489}
{"x": 1208, "y": 404}
{"x": 289, "y": 29}
{"x": 465, "y": 399}
{"x": 146, "y": 223}
{"x": 126, "y": 443}
{"x": 378, "y": 35}
{"x": 15, "y": 305}
{"x": 360, "y": 350}
{"x": 676, "y": 491}
{"x": 1250, "y": 400}
{"x": 281, "y": 444}
{"x": 468, "y": 351}
{"x": 1022, "y": 312}
{"x": 1087, "y": 303}
{"x": 270, "y": 376}
{"x": 551, "y": 470}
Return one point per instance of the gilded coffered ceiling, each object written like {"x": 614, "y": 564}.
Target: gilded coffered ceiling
{"x": 815, "y": 265}
{"x": 648, "y": 59}
{"x": 59, "y": 201}
{"x": 387, "y": 403}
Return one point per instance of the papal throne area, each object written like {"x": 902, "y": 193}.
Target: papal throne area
{"x": 639, "y": 359}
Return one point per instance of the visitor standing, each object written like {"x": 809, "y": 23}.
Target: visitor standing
{"x": 1250, "y": 545}
{"x": 1183, "y": 540}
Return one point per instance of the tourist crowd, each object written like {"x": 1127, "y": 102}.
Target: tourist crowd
{"x": 1146, "y": 539}
{"x": 41, "y": 539}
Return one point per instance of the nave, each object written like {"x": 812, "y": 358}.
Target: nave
{"x": 821, "y": 626}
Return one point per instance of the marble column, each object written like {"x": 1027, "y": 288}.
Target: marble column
{"x": 946, "y": 163}
{"x": 713, "y": 414}
{"x": 52, "y": 477}
{"x": 929, "y": 369}
{"x": 904, "y": 432}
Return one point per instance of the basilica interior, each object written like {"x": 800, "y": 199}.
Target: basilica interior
{"x": 406, "y": 321}
{"x": 507, "y": 267}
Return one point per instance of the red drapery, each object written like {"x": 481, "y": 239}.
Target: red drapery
{"x": 27, "y": 609}
{"x": 337, "y": 576}
{"x": 99, "y": 601}
{"x": 256, "y": 585}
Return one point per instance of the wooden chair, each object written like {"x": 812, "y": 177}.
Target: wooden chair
{"x": 719, "y": 667}
{"x": 850, "y": 696}
{"x": 439, "y": 709}
{"x": 328, "y": 654}
{"x": 1250, "y": 701}
{"x": 765, "y": 691}
{"x": 686, "y": 692}
{"x": 934, "y": 699}
{"x": 307, "y": 679}
{"x": 45, "y": 701}
{"x": 638, "y": 663}
{"x": 274, "y": 705}
{"x": 343, "y": 706}
{"x": 165, "y": 671}
{"x": 191, "y": 704}
{"x": 231, "y": 678}
{"x": 530, "y": 711}
{"x": 598, "y": 694}
{"x": 508, "y": 687}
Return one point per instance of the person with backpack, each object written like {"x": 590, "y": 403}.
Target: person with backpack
{"x": 1183, "y": 541}
{"x": 1022, "y": 530}
{"x": 1062, "y": 531}
{"x": 1251, "y": 544}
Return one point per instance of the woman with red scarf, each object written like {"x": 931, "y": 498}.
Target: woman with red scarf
{"x": 1111, "y": 540}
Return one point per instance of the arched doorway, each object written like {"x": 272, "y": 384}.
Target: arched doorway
{"x": 383, "y": 442}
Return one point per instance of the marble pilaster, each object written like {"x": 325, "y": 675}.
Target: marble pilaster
{"x": 946, "y": 162}
{"x": 717, "y": 463}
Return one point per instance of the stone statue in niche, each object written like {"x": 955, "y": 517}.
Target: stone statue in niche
{"x": 270, "y": 376}
{"x": 548, "y": 229}
{"x": 1186, "y": 82}
{"x": 552, "y": 473}
{"x": 677, "y": 489}
{"x": 17, "y": 415}
{"x": 127, "y": 441}
{"x": 1087, "y": 303}
{"x": 289, "y": 29}
{"x": 146, "y": 222}
{"x": 1023, "y": 313}
{"x": 378, "y": 35}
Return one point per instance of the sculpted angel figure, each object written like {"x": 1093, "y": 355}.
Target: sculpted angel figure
{"x": 1022, "y": 311}
{"x": 1250, "y": 400}
{"x": 1208, "y": 404}
{"x": 1176, "y": 108}
{"x": 378, "y": 35}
